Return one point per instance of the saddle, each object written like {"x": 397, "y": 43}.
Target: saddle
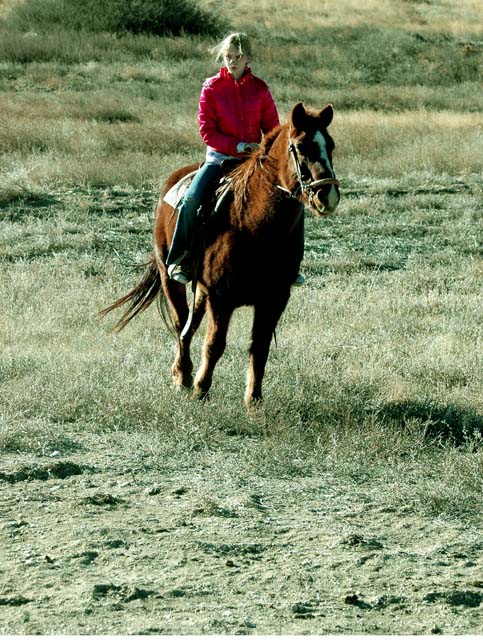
{"x": 214, "y": 204}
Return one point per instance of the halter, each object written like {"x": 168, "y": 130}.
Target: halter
{"x": 304, "y": 187}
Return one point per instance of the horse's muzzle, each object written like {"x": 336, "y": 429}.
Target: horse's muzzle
{"x": 326, "y": 199}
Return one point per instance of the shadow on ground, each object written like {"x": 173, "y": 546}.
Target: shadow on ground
{"x": 443, "y": 423}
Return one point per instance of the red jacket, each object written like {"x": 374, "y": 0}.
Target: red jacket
{"x": 231, "y": 112}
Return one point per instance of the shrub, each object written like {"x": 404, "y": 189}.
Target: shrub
{"x": 157, "y": 17}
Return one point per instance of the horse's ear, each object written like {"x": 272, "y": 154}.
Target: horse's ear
{"x": 326, "y": 115}
{"x": 298, "y": 117}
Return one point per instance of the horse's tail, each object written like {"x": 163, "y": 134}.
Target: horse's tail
{"x": 138, "y": 298}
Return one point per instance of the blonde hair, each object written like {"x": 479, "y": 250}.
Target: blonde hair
{"x": 237, "y": 39}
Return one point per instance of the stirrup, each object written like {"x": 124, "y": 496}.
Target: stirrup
{"x": 179, "y": 273}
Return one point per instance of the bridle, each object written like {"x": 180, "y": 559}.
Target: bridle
{"x": 304, "y": 187}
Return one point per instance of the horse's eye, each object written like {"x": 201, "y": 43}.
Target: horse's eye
{"x": 300, "y": 148}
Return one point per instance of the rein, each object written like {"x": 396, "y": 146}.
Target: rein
{"x": 304, "y": 187}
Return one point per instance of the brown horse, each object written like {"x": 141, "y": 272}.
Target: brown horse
{"x": 251, "y": 253}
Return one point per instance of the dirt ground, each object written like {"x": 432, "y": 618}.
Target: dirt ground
{"x": 91, "y": 544}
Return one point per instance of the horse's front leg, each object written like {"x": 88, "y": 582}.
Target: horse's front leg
{"x": 265, "y": 321}
{"x": 182, "y": 368}
{"x": 215, "y": 343}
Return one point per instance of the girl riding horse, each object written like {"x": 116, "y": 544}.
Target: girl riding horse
{"x": 256, "y": 233}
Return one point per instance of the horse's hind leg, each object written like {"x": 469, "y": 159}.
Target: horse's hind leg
{"x": 215, "y": 343}
{"x": 265, "y": 321}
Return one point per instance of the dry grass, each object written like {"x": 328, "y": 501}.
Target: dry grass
{"x": 415, "y": 143}
{"x": 94, "y": 140}
{"x": 112, "y": 111}
{"x": 7, "y": 5}
{"x": 460, "y": 19}
{"x": 378, "y": 357}
{"x": 457, "y": 18}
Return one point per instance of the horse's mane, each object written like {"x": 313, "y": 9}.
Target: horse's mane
{"x": 261, "y": 162}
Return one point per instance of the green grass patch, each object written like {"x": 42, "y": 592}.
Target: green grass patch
{"x": 158, "y": 17}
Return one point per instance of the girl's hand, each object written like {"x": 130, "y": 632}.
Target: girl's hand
{"x": 247, "y": 147}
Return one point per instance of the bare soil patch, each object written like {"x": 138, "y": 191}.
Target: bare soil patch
{"x": 94, "y": 545}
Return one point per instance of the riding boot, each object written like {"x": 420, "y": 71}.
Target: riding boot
{"x": 181, "y": 243}
{"x": 180, "y": 252}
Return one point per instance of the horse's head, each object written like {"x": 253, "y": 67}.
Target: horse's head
{"x": 311, "y": 149}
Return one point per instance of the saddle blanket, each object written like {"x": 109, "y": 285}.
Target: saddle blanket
{"x": 175, "y": 194}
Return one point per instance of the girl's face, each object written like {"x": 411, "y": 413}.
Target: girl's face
{"x": 235, "y": 61}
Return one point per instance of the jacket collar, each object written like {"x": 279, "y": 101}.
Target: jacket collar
{"x": 224, "y": 73}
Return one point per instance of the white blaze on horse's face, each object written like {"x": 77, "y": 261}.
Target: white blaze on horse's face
{"x": 333, "y": 195}
{"x": 320, "y": 140}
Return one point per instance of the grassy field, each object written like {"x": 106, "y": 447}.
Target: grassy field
{"x": 350, "y": 502}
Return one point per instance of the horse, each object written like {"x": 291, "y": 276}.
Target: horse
{"x": 251, "y": 252}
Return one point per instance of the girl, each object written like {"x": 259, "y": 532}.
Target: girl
{"x": 235, "y": 109}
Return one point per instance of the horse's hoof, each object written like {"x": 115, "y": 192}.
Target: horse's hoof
{"x": 180, "y": 390}
{"x": 182, "y": 374}
{"x": 199, "y": 394}
{"x": 253, "y": 403}
{"x": 182, "y": 386}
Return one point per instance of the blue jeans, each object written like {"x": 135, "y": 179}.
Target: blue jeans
{"x": 206, "y": 179}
